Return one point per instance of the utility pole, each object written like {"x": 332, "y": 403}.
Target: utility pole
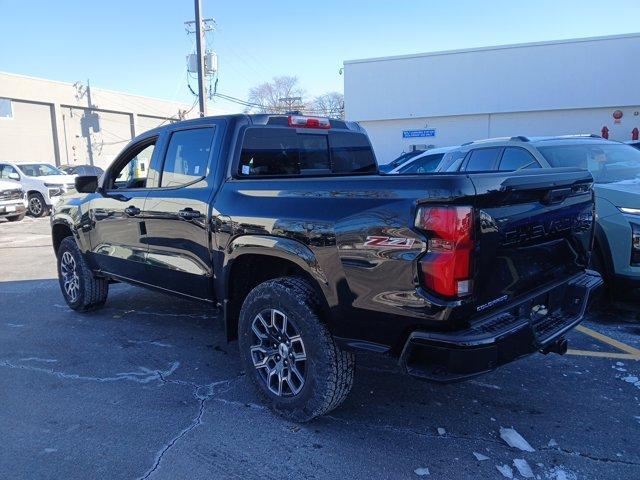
{"x": 291, "y": 103}
{"x": 200, "y": 54}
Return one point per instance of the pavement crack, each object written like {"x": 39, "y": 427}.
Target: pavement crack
{"x": 202, "y": 393}
{"x": 573, "y": 453}
{"x": 194, "y": 424}
{"x": 143, "y": 375}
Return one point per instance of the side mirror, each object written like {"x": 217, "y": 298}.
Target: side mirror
{"x": 14, "y": 176}
{"x": 86, "y": 183}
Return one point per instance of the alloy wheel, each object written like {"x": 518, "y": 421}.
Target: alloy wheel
{"x": 278, "y": 353}
{"x": 70, "y": 279}
{"x": 35, "y": 206}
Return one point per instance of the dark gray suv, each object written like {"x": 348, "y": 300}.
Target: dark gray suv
{"x": 615, "y": 168}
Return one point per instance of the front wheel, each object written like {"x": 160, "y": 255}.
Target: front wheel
{"x": 287, "y": 352}
{"x": 81, "y": 289}
{"x": 37, "y": 206}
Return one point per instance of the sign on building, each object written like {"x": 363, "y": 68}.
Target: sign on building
{"x": 429, "y": 132}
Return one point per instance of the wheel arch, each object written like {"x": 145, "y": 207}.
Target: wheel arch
{"x": 253, "y": 259}
{"x": 60, "y": 230}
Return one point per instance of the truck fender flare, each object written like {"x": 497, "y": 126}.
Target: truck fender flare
{"x": 280, "y": 247}
{"x": 272, "y": 246}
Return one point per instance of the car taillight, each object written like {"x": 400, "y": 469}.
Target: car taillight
{"x": 446, "y": 267}
{"x": 301, "y": 121}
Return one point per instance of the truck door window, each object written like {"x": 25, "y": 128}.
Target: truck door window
{"x": 515, "y": 158}
{"x": 133, "y": 173}
{"x": 483, "y": 159}
{"x": 187, "y": 158}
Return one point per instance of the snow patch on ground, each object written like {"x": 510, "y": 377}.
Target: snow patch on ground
{"x": 523, "y": 467}
{"x": 515, "y": 440}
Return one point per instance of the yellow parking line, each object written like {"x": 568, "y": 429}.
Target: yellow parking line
{"x": 609, "y": 341}
{"x": 589, "y": 353}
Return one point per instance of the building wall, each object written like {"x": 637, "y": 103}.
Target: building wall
{"x": 47, "y": 119}
{"x": 386, "y": 135}
{"x": 28, "y": 135}
{"x": 548, "y": 88}
{"x": 561, "y": 75}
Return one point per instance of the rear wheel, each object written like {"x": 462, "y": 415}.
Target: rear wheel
{"x": 16, "y": 218}
{"x": 82, "y": 290}
{"x": 287, "y": 352}
{"x": 37, "y": 206}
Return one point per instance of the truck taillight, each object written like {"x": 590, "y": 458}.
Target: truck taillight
{"x": 301, "y": 121}
{"x": 446, "y": 267}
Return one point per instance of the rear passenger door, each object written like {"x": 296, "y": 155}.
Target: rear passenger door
{"x": 177, "y": 226}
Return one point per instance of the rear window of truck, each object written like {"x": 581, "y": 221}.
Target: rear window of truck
{"x": 284, "y": 152}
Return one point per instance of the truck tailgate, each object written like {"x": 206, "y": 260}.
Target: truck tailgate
{"x": 533, "y": 228}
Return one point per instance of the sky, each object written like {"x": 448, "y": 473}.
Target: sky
{"x": 139, "y": 46}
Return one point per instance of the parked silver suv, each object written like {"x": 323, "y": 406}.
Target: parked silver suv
{"x": 615, "y": 168}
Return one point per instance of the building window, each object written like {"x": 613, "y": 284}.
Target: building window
{"x": 6, "y": 110}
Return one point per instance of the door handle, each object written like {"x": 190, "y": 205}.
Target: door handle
{"x": 189, "y": 214}
{"x": 132, "y": 211}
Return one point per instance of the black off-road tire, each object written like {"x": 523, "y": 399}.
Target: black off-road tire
{"x": 16, "y": 218}
{"x": 36, "y": 205}
{"x": 92, "y": 291}
{"x": 329, "y": 370}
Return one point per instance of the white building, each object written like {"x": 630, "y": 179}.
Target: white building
{"x": 65, "y": 124}
{"x": 447, "y": 98}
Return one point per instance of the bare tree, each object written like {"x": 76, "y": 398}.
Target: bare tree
{"x": 330, "y": 104}
{"x": 280, "y": 95}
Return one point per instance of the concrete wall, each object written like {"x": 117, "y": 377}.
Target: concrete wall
{"x": 46, "y": 125}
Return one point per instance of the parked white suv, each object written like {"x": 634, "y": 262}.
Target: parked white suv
{"x": 44, "y": 184}
{"x": 13, "y": 201}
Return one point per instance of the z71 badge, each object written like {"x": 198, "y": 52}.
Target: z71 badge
{"x": 389, "y": 242}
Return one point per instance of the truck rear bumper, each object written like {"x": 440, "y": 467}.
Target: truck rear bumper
{"x": 502, "y": 337}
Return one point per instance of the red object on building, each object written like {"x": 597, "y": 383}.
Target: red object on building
{"x": 635, "y": 133}
{"x": 605, "y": 132}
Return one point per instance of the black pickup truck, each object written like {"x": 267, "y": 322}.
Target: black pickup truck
{"x": 285, "y": 225}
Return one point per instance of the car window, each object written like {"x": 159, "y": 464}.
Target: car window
{"x": 133, "y": 174}
{"x": 187, "y": 157}
{"x": 283, "y": 151}
{"x": 40, "y": 170}
{"x": 607, "y": 162}
{"x": 483, "y": 159}
{"x": 425, "y": 164}
{"x": 451, "y": 161}
{"x": 6, "y": 171}
{"x": 515, "y": 158}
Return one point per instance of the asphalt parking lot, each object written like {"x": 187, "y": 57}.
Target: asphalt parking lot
{"x": 148, "y": 388}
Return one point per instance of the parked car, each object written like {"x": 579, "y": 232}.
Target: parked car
{"x": 393, "y": 164}
{"x": 44, "y": 184}
{"x": 285, "y": 225}
{"x": 634, "y": 144}
{"x": 82, "y": 170}
{"x": 13, "y": 201}
{"x": 616, "y": 171}
{"x": 426, "y": 162}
